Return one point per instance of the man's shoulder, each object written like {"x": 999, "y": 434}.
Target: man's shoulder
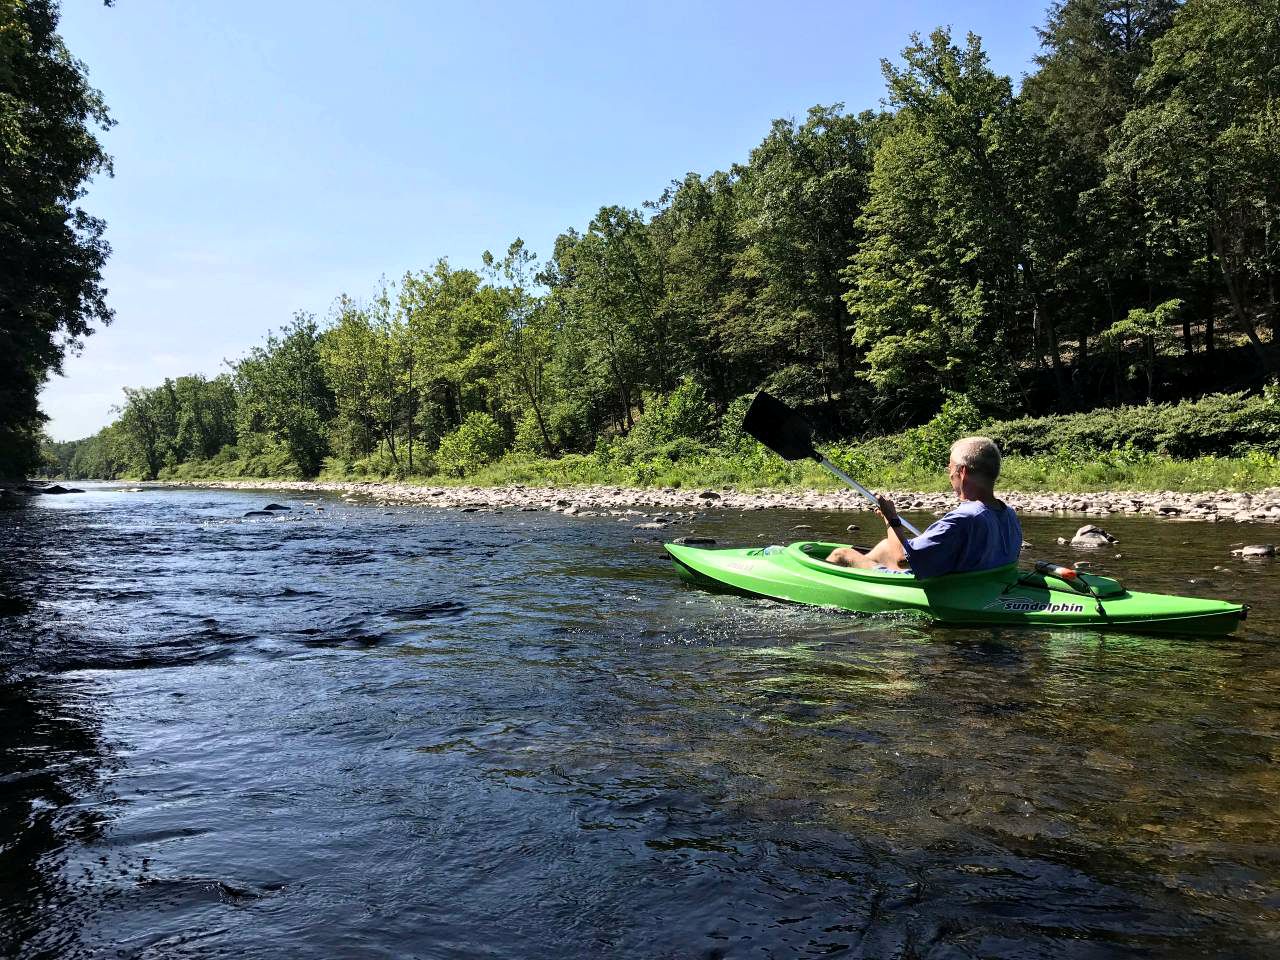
{"x": 966, "y": 510}
{"x": 976, "y": 508}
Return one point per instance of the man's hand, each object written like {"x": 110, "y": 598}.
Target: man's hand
{"x": 888, "y": 511}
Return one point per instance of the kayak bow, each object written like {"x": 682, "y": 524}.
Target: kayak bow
{"x": 1004, "y": 596}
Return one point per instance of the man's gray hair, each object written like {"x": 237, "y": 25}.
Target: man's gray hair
{"x": 979, "y": 454}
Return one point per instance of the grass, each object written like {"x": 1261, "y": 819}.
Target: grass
{"x": 757, "y": 469}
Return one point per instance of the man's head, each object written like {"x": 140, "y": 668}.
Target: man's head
{"x": 974, "y": 466}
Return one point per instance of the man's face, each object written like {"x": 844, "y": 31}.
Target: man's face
{"x": 956, "y": 473}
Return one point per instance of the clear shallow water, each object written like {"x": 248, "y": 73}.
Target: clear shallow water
{"x": 370, "y": 732}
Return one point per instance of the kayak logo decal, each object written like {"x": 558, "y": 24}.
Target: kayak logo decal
{"x": 1027, "y": 605}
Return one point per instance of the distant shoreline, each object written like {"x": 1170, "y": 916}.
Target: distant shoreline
{"x": 1259, "y": 507}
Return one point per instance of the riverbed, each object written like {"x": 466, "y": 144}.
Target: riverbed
{"x": 367, "y": 730}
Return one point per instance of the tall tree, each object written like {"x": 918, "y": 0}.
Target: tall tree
{"x": 525, "y": 336}
{"x": 1203, "y": 151}
{"x": 706, "y": 297}
{"x": 802, "y": 190}
{"x": 1092, "y": 54}
{"x": 609, "y": 285}
{"x": 147, "y": 427}
{"x": 948, "y": 290}
{"x": 51, "y": 250}
{"x": 283, "y": 393}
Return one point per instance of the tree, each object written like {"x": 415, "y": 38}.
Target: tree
{"x": 1150, "y": 332}
{"x": 205, "y": 412}
{"x": 369, "y": 367}
{"x": 147, "y": 427}
{"x": 608, "y": 285}
{"x": 948, "y": 289}
{"x": 802, "y": 191}
{"x": 1098, "y": 251}
{"x": 283, "y": 393}
{"x": 706, "y": 295}
{"x": 1094, "y": 51}
{"x": 1202, "y": 150}
{"x": 525, "y": 334}
{"x": 51, "y": 251}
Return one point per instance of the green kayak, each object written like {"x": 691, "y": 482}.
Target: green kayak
{"x": 1050, "y": 596}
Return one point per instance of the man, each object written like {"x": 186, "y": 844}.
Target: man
{"x": 979, "y": 534}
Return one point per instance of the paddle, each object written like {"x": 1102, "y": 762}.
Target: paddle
{"x": 790, "y": 436}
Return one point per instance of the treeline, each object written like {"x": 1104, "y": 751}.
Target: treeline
{"x": 1107, "y": 234}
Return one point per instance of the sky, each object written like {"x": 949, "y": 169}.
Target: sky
{"x": 272, "y": 155}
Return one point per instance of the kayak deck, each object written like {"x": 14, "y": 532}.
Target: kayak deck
{"x": 1004, "y": 596}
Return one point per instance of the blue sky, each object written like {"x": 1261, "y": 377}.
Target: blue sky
{"x": 272, "y": 155}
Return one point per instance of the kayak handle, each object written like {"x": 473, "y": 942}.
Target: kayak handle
{"x": 867, "y": 494}
{"x": 1066, "y": 574}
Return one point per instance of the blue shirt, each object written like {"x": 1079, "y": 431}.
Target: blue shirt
{"x": 973, "y": 536}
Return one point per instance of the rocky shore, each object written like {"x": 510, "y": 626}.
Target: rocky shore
{"x": 1212, "y": 507}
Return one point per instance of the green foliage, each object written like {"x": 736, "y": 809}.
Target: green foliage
{"x": 1149, "y": 332}
{"x": 478, "y": 440}
{"x": 929, "y": 445}
{"x": 947, "y": 282}
{"x": 1219, "y": 424}
{"x": 51, "y": 250}
{"x": 283, "y": 393}
{"x": 1202, "y": 149}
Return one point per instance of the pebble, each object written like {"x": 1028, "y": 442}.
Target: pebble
{"x": 1261, "y": 506}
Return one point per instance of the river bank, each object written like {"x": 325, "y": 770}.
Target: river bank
{"x": 1212, "y": 507}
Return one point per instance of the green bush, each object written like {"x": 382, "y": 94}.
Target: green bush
{"x": 1219, "y": 424}
{"x": 475, "y": 443}
{"x": 929, "y": 445}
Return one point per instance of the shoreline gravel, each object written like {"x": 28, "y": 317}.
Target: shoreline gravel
{"x": 1214, "y": 506}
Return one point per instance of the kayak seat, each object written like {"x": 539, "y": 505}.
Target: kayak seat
{"x": 814, "y": 556}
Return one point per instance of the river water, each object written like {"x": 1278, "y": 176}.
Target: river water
{"x": 372, "y": 732}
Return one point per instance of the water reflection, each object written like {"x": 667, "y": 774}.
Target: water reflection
{"x": 52, "y": 757}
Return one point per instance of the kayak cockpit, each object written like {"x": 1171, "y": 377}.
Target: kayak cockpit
{"x": 813, "y": 555}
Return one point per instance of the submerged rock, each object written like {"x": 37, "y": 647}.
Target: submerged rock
{"x": 259, "y": 513}
{"x": 274, "y": 506}
{"x": 695, "y": 541}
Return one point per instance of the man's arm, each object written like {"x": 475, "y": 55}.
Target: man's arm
{"x": 893, "y": 529}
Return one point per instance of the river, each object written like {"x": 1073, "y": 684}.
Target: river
{"x": 368, "y": 732}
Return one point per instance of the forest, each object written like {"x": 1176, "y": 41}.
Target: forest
{"x": 1084, "y": 264}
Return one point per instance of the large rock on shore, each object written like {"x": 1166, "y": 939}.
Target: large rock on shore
{"x": 1092, "y": 536}
{"x": 1256, "y": 551}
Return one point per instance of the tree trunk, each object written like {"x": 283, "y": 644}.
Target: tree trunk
{"x": 1150, "y": 348}
{"x": 1238, "y": 307}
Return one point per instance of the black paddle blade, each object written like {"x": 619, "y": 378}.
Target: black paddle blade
{"x": 780, "y": 428}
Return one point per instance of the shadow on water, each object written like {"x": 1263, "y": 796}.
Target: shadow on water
{"x": 385, "y": 733}
{"x": 53, "y": 764}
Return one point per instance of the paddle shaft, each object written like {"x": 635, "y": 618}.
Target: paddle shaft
{"x": 871, "y": 497}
